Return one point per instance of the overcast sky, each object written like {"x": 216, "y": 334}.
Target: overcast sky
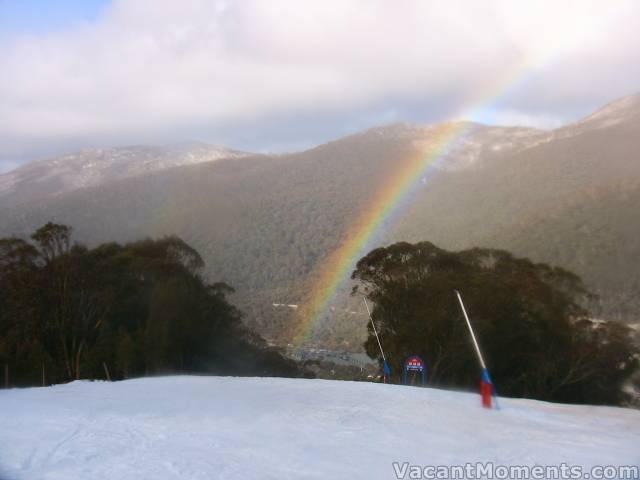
{"x": 278, "y": 75}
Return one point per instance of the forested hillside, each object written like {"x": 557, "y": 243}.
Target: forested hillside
{"x": 264, "y": 224}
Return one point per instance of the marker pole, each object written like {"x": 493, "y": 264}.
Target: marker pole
{"x": 386, "y": 368}
{"x": 486, "y": 385}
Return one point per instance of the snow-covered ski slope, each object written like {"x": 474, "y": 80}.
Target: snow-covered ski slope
{"x": 270, "y": 428}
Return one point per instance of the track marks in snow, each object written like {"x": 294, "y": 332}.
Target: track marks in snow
{"x": 211, "y": 427}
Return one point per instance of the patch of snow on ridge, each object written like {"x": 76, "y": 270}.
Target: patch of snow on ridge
{"x": 274, "y": 428}
{"x": 92, "y": 167}
{"x": 8, "y": 182}
{"x": 613, "y": 113}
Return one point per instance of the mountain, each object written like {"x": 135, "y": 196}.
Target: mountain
{"x": 236, "y": 428}
{"x": 265, "y": 224}
{"x": 96, "y": 166}
{"x": 625, "y": 110}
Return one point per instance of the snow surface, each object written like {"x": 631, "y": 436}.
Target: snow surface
{"x": 271, "y": 428}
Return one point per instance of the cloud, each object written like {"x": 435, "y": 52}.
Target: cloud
{"x": 159, "y": 69}
{"x": 519, "y": 119}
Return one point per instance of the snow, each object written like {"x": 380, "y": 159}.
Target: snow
{"x": 92, "y": 167}
{"x": 270, "y": 428}
{"x": 615, "y": 112}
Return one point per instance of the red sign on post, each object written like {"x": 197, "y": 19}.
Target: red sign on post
{"x": 415, "y": 364}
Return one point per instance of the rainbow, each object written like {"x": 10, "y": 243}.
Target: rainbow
{"x": 388, "y": 200}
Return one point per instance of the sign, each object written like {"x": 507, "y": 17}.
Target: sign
{"x": 415, "y": 364}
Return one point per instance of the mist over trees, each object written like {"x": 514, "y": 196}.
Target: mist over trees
{"x": 141, "y": 308}
{"x": 538, "y": 339}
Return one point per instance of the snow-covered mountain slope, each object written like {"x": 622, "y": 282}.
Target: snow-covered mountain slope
{"x": 475, "y": 144}
{"x": 98, "y": 166}
{"x": 268, "y": 428}
{"x": 623, "y": 110}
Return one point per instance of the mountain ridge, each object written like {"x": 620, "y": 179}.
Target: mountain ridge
{"x": 90, "y": 167}
{"x": 266, "y": 223}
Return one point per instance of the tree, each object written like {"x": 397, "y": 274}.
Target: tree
{"x": 53, "y": 240}
{"x": 20, "y": 332}
{"x": 141, "y": 308}
{"x": 538, "y": 338}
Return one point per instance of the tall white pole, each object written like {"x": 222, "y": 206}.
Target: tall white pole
{"x": 473, "y": 336}
{"x": 374, "y": 328}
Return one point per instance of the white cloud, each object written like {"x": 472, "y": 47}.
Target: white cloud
{"x": 519, "y": 119}
{"x": 155, "y": 65}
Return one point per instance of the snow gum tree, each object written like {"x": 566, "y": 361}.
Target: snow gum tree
{"x": 530, "y": 318}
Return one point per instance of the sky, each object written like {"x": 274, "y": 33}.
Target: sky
{"x": 283, "y": 75}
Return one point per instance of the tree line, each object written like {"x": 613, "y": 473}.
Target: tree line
{"x": 538, "y": 338}
{"x": 69, "y": 312}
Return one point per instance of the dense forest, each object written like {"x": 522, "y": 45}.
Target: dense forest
{"x": 538, "y": 339}
{"x": 69, "y": 312}
{"x": 266, "y": 224}
{"x": 117, "y": 311}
